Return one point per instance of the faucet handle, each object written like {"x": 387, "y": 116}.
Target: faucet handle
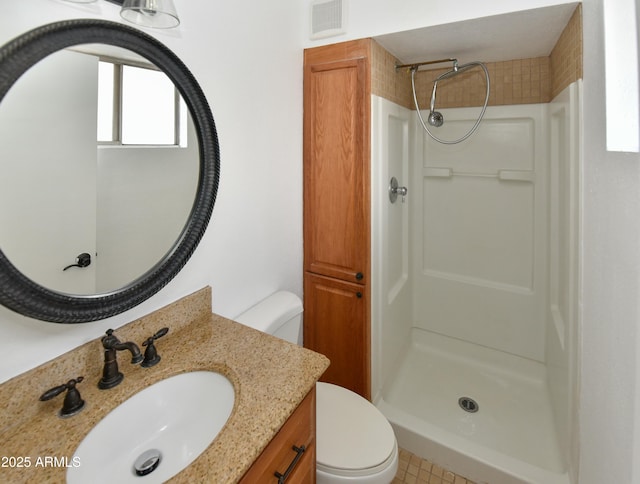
{"x": 73, "y": 403}
{"x": 159, "y": 334}
{"x": 151, "y": 356}
{"x": 109, "y": 339}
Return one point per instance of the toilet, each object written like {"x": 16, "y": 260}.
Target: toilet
{"x": 355, "y": 443}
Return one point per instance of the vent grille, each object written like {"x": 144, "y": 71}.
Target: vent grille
{"x": 327, "y": 18}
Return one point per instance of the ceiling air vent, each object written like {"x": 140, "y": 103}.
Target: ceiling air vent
{"x": 327, "y": 18}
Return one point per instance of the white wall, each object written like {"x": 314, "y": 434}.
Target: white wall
{"x": 390, "y": 241}
{"x": 480, "y": 229}
{"x": 38, "y": 237}
{"x": 368, "y": 18}
{"x": 145, "y": 195}
{"x": 562, "y": 319}
{"x": 247, "y": 57}
{"x": 610, "y": 366}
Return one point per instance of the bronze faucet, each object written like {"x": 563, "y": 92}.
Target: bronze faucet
{"x": 111, "y": 376}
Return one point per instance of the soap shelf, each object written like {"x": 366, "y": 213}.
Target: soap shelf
{"x": 526, "y": 176}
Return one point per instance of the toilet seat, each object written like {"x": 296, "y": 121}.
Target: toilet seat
{"x": 354, "y": 439}
{"x": 387, "y": 468}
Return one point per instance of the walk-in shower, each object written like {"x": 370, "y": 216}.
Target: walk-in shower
{"x": 435, "y": 118}
{"x": 471, "y": 287}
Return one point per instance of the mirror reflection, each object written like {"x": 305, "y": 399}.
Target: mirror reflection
{"x": 65, "y": 191}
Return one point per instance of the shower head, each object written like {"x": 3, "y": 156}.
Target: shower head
{"x": 435, "y": 119}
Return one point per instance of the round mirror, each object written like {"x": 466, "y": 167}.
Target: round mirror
{"x": 95, "y": 220}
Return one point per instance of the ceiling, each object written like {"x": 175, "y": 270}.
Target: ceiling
{"x": 517, "y": 35}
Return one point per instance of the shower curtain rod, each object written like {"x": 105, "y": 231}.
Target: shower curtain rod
{"x": 418, "y": 64}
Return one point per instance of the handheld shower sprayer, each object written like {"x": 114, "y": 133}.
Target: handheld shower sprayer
{"x": 435, "y": 119}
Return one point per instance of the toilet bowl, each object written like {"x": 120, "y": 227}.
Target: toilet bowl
{"x": 355, "y": 443}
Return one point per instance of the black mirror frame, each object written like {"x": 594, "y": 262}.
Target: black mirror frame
{"x": 24, "y": 296}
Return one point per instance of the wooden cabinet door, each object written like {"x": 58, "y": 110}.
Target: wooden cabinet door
{"x": 335, "y": 325}
{"x": 292, "y": 452}
{"x": 336, "y": 169}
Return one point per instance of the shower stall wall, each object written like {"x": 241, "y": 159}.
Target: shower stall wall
{"x": 480, "y": 230}
{"x": 474, "y": 284}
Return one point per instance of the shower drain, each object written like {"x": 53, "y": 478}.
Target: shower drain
{"x": 468, "y": 404}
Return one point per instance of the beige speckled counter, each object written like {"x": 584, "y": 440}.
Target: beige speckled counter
{"x": 271, "y": 377}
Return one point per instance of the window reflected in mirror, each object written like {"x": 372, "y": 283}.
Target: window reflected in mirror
{"x": 138, "y": 106}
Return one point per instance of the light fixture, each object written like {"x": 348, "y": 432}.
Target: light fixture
{"x": 160, "y": 14}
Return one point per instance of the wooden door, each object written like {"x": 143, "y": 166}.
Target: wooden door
{"x": 334, "y": 326}
{"x": 336, "y": 169}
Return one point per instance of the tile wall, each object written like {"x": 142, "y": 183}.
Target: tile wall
{"x": 566, "y": 57}
{"x": 387, "y": 82}
{"x": 518, "y": 81}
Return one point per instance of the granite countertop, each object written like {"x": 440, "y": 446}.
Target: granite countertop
{"x": 270, "y": 376}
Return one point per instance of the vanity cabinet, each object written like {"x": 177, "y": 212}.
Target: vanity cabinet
{"x": 284, "y": 453}
{"x": 337, "y": 106}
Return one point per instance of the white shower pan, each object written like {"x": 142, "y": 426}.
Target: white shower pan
{"x": 511, "y": 436}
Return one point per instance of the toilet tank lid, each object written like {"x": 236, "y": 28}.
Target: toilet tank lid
{"x": 270, "y": 313}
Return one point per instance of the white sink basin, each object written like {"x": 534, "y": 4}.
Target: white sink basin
{"x": 175, "y": 419}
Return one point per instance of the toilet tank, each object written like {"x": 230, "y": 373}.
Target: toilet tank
{"x": 279, "y": 315}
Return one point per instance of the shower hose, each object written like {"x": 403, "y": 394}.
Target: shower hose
{"x": 477, "y": 123}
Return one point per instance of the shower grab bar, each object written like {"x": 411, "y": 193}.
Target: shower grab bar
{"x": 502, "y": 175}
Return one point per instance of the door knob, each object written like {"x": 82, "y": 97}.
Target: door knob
{"x": 395, "y": 190}
{"x": 83, "y": 260}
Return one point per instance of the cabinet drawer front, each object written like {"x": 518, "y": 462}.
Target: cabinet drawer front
{"x": 279, "y": 455}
